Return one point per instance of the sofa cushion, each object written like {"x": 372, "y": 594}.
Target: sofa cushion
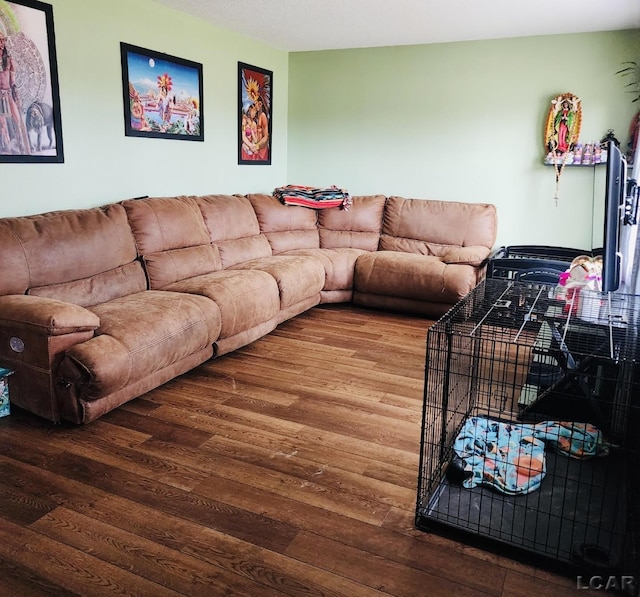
{"x": 359, "y": 227}
{"x": 123, "y": 280}
{"x": 339, "y": 265}
{"x": 66, "y": 246}
{"x": 240, "y": 250}
{"x": 412, "y": 276}
{"x": 228, "y": 217}
{"x": 298, "y": 277}
{"x": 172, "y": 238}
{"x": 431, "y": 227}
{"x": 466, "y": 255}
{"x": 166, "y": 223}
{"x": 246, "y": 298}
{"x": 286, "y": 227}
{"x": 233, "y": 227}
{"x": 166, "y": 267}
{"x": 143, "y": 333}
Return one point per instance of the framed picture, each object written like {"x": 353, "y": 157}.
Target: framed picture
{"x": 255, "y": 114}
{"x": 162, "y": 95}
{"x": 30, "y": 123}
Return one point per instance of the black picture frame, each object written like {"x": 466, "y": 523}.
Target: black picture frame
{"x": 31, "y": 127}
{"x": 162, "y": 95}
{"x": 255, "y": 95}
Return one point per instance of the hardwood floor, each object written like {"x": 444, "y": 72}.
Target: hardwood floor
{"x": 286, "y": 468}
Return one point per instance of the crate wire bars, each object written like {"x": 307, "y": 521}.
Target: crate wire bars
{"x": 522, "y": 359}
{"x": 532, "y": 262}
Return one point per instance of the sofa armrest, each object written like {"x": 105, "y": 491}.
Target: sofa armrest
{"x": 35, "y": 332}
{"x": 45, "y": 316}
{"x": 476, "y": 256}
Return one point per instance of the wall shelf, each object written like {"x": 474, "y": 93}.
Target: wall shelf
{"x": 577, "y": 165}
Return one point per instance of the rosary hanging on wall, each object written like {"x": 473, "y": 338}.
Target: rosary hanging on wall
{"x": 561, "y": 133}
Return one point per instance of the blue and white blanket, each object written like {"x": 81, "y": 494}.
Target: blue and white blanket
{"x": 510, "y": 457}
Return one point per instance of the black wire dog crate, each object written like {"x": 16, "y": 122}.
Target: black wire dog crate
{"x": 531, "y": 425}
{"x": 540, "y": 263}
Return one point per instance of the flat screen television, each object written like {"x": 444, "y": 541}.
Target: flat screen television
{"x": 614, "y": 201}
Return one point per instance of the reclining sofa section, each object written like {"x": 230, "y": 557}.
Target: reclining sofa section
{"x": 99, "y": 306}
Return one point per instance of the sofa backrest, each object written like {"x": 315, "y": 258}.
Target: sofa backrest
{"x": 233, "y": 227}
{"x": 63, "y": 255}
{"x": 432, "y": 227}
{"x": 287, "y": 227}
{"x": 359, "y": 227}
{"x": 171, "y": 238}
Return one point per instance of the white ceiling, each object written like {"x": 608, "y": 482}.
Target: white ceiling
{"x": 299, "y": 25}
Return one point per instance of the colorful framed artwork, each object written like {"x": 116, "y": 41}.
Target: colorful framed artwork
{"x": 562, "y": 127}
{"x": 30, "y": 122}
{"x": 162, "y": 95}
{"x": 255, "y": 114}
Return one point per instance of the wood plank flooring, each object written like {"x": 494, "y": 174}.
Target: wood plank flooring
{"x": 288, "y": 467}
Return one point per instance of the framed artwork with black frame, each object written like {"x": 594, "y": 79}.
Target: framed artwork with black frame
{"x": 162, "y": 95}
{"x": 255, "y": 114}
{"x": 30, "y": 122}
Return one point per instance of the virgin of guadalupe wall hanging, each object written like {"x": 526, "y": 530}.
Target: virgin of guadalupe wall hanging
{"x": 561, "y": 132}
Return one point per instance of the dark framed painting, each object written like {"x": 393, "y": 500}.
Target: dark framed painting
{"x": 162, "y": 95}
{"x": 30, "y": 122}
{"x": 255, "y": 114}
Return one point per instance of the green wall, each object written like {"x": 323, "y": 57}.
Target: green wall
{"x": 101, "y": 164}
{"x": 461, "y": 121}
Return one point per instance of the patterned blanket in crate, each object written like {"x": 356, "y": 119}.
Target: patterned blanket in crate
{"x": 510, "y": 457}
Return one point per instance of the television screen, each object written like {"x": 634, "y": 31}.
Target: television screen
{"x": 614, "y": 207}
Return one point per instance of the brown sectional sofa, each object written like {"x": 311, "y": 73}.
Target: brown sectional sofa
{"x": 99, "y": 306}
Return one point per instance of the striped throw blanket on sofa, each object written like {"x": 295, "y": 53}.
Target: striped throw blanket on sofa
{"x": 314, "y": 197}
